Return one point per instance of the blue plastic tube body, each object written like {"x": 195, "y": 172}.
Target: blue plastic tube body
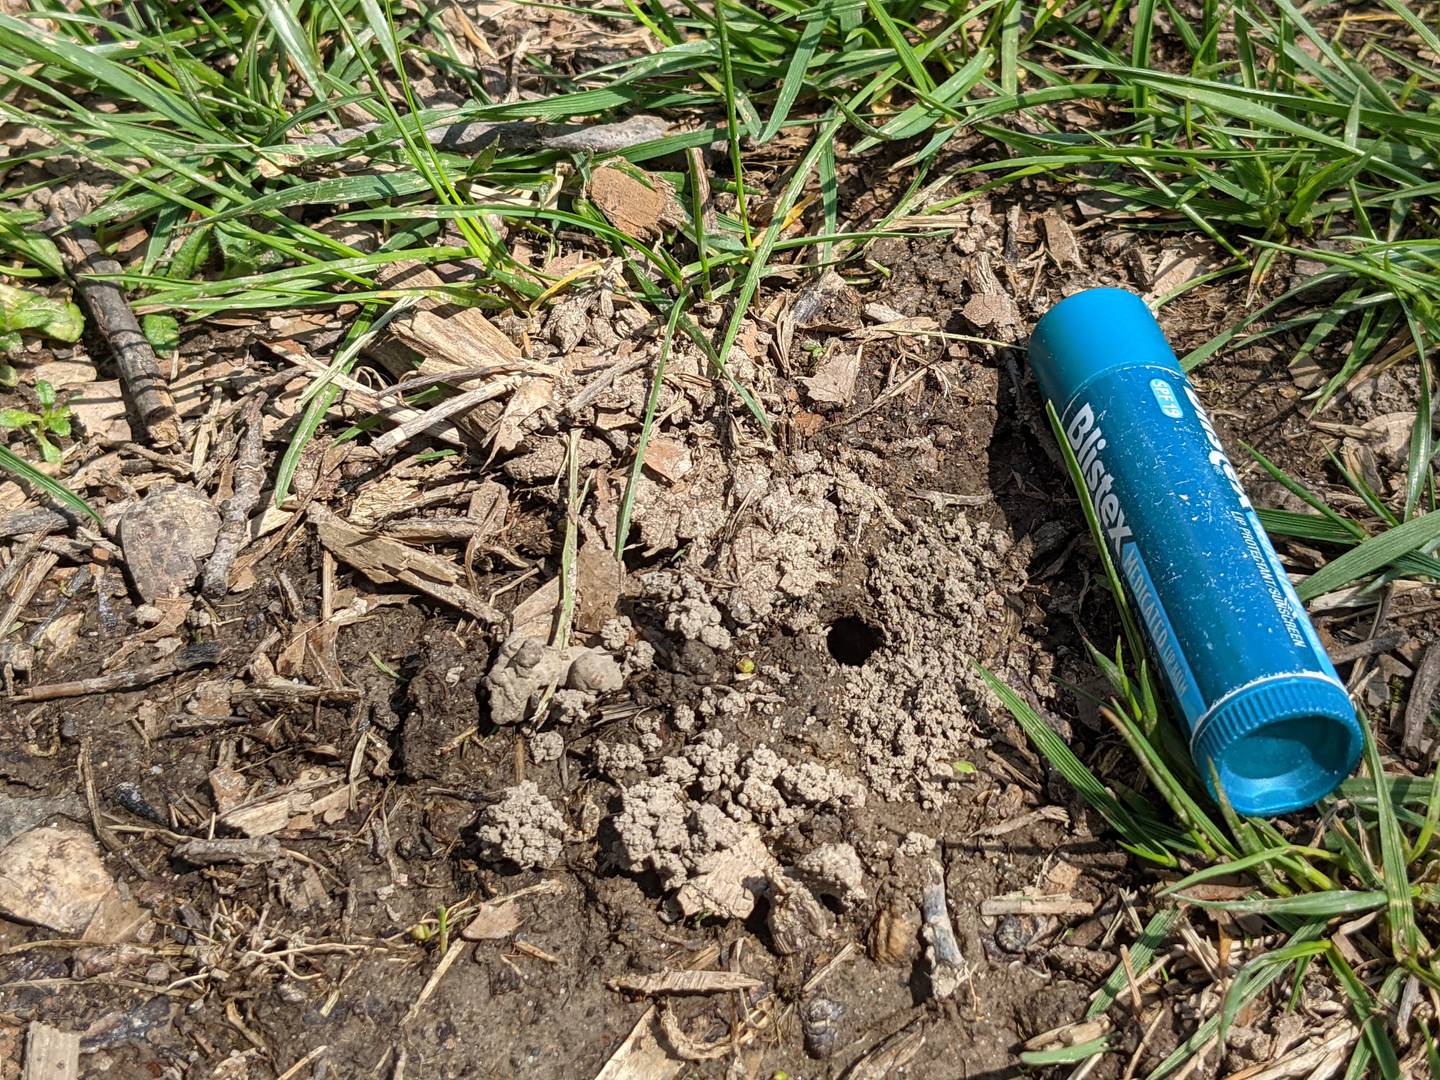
{"x": 1257, "y": 691}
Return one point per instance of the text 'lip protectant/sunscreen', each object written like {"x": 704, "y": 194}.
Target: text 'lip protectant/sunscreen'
{"x": 1258, "y": 693}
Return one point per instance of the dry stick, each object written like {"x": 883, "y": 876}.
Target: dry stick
{"x": 140, "y": 375}
{"x": 249, "y": 479}
{"x": 444, "y": 410}
{"x": 192, "y": 657}
{"x": 1422, "y": 695}
{"x": 517, "y": 134}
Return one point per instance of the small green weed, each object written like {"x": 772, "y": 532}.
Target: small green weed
{"x": 52, "y": 419}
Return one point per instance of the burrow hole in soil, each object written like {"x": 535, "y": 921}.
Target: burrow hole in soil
{"x": 852, "y": 640}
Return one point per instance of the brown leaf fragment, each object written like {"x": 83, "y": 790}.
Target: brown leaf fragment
{"x": 834, "y": 383}
{"x": 493, "y": 922}
{"x": 684, "y": 982}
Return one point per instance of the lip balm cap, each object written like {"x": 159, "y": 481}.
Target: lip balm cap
{"x": 1279, "y": 745}
{"x": 1092, "y": 332}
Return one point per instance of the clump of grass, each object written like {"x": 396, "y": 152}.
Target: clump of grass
{"x": 1371, "y": 851}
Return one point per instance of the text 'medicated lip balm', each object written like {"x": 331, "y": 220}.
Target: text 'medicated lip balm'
{"x": 1258, "y": 693}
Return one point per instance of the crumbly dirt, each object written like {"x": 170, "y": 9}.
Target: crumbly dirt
{"x": 761, "y": 734}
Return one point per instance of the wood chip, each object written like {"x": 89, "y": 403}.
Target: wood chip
{"x": 723, "y": 884}
{"x": 1022, "y": 904}
{"x": 443, "y": 339}
{"x": 386, "y": 561}
{"x": 684, "y": 982}
{"x": 274, "y": 812}
{"x": 642, "y": 1056}
{"x": 54, "y": 877}
{"x": 51, "y": 1054}
{"x": 636, "y": 202}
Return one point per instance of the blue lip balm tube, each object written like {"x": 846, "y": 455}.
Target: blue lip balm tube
{"x": 1259, "y": 695}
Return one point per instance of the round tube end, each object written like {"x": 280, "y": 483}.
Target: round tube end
{"x": 1090, "y": 333}
{"x": 1279, "y": 746}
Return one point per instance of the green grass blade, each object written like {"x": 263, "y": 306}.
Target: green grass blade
{"x": 1422, "y": 432}
{"x": 1371, "y": 555}
{"x": 652, "y": 401}
{"x": 1077, "y": 773}
{"x": 1400, "y": 906}
{"x": 796, "y": 71}
{"x": 26, "y": 472}
{"x": 1321, "y": 905}
{"x": 1155, "y": 934}
{"x": 293, "y": 39}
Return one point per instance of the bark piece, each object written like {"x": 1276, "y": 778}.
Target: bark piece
{"x": 245, "y": 851}
{"x": 234, "y": 532}
{"x": 1422, "y": 697}
{"x": 164, "y": 537}
{"x": 54, "y": 877}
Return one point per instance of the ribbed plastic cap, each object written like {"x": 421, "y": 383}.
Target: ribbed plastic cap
{"x": 1092, "y": 332}
{"x": 1280, "y": 745}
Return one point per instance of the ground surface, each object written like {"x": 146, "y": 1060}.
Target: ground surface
{"x": 756, "y": 742}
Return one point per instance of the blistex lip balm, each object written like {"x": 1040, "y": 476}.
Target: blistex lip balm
{"x": 1258, "y": 693}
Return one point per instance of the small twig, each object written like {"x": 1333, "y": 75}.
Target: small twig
{"x": 249, "y": 479}
{"x": 191, "y": 657}
{"x": 472, "y": 137}
{"x": 92, "y": 800}
{"x": 30, "y": 581}
{"x": 1422, "y": 696}
{"x": 444, "y": 410}
{"x": 451, "y": 955}
{"x": 294, "y": 1070}
{"x": 21, "y": 556}
{"x": 145, "y": 386}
